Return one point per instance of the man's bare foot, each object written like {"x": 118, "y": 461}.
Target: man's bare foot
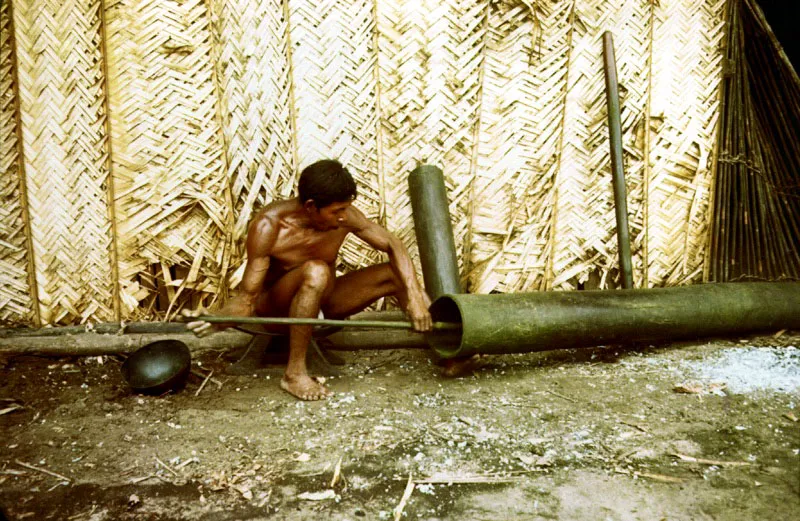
{"x": 305, "y": 388}
{"x": 456, "y": 367}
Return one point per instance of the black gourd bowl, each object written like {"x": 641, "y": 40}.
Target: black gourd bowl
{"x": 158, "y": 368}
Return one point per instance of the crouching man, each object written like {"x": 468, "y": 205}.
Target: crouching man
{"x": 292, "y": 247}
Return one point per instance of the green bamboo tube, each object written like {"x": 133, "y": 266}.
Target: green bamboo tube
{"x": 526, "y": 322}
{"x": 434, "y": 231}
{"x": 617, "y": 168}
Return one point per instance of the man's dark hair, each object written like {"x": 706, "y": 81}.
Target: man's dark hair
{"x": 326, "y": 182}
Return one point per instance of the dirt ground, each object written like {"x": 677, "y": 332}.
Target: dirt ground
{"x": 651, "y": 433}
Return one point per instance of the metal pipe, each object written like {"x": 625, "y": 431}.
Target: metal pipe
{"x": 542, "y": 321}
{"x": 617, "y": 170}
{"x": 434, "y": 231}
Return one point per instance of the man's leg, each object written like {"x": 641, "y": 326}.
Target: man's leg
{"x": 357, "y": 290}
{"x": 299, "y": 294}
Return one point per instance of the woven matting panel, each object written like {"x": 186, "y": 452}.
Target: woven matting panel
{"x": 172, "y": 191}
{"x": 216, "y": 106}
{"x": 429, "y": 60}
{"x": 335, "y": 93}
{"x": 250, "y": 51}
{"x": 521, "y": 120}
{"x": 64, "y": 139}
{"x": 684, "y": 110}
{"x": 15, "y": 299}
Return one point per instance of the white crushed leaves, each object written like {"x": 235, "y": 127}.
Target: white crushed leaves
{"x": 747, "y": 369}
{"x": 318, "y": 496}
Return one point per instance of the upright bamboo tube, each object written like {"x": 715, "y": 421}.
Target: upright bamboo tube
{"x": 617, "y": 169}
{"x": 434, "y": 231}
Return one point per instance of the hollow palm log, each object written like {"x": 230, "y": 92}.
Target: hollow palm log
{"x": 525, "y": 322}
{"x": 434, "y": 231}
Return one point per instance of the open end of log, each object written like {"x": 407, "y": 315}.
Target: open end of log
{"x": 446, "y": 343}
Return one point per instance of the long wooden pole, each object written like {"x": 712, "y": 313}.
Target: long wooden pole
{"x": 617, "y": 168}
{"x": 290, "y": 321}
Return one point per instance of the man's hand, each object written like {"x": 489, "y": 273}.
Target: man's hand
{"x": 418, "y": 305}
{"x": 200, "y": 328}
{"x": 380, "y": 239}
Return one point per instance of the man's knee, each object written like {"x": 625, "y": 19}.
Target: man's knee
{"x": 317, "y": 275}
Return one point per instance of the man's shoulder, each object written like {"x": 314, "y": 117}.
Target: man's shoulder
{"x": 358, "y": 221}
{"x": 268, "y": 219}
{"x": 356, "y": 217}
{"x": 275, "y": 210}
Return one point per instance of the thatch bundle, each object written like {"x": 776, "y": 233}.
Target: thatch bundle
{"x": 139, "y": 137}
{"x": 756, "y": 231}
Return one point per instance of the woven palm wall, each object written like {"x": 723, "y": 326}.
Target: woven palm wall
{"x": 139, "y": 137}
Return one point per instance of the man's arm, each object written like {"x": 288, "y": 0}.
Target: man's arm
{"x": 261, "y": 237}
{"x": 379, "y": 238}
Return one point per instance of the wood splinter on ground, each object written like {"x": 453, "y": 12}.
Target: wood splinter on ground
{"x": 562, "y": 396}
{"x": 202, "y": 385}
{"x": 39, "y": 469}
{"x": 166, "y": 466}
{"x": 460, "y": 480}
{"x": 10, "y": 409}
{"x": 337, "y": 472}
{"x": 136, "y": 481}
{"x": 398, "y": 511}
{"x": 213, "y": 380}
{"x": 635, "y": 426}
{"x": 188, "y": 461}
{"x": 649, "y": 475}
{"x": 318, "y": 496}
{"x": 692, "y": 459}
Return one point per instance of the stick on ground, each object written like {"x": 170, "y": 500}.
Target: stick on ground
{"x": 39, "y": 469}
{"x": 202, "y": 385}
{"x": 398, "y": 511}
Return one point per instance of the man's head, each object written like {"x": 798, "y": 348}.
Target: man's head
{"x": 326, "y": 190}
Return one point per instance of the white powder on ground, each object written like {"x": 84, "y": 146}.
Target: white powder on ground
{"x": 748, "y": 368}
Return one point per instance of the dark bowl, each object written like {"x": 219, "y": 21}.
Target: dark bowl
{"x": 158, "y": 368}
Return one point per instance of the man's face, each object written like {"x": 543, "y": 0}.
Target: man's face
{"x": 329, "y": 217}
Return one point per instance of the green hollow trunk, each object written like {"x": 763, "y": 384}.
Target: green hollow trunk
{"x": 526, "y": 322}
{"x": 434, "y": 231}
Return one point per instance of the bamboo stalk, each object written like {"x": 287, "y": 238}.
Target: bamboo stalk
{"x": 751, "y": 192}
{"x": 646, "y": 154}
{"x": 718, "y": 209}
{"x": 547, "y": 280}
{"x": 21, "y": 172}
{"x": 756, "y": 229}
{"x": 617, "y": 167}
{"x": 713, "y": 184}
{"x": 230, "y": 222}
{"x": 110, "y": 189}
{"x": 762, "y": 20}
{"x": 473, "y": 163}
{"x": 777, "y": 149}
{"x": 379, "y": 121}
